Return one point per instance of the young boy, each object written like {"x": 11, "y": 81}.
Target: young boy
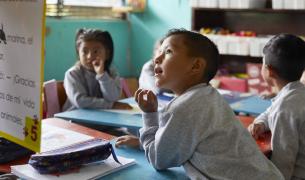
{"x": 283, "y": 65}
{"x": 197, "y": 129}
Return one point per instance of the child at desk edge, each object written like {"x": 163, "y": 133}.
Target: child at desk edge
{"x": 197, "y": 129}
{"x": 283, "y": 65}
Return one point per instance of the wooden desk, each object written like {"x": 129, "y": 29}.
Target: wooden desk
{"x": 77, "y": 128}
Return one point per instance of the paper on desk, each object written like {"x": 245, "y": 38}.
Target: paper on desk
{"x": 54, "y": 137}
{"x": 94, "y": 171}
{"x": 135, "y": 110}
{"x": 233, "y": 93}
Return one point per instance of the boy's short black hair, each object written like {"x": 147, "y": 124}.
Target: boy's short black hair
{"x": 285, "y": 53}
{"x": 199, "y": 45}
{"x": 103, "y": 37}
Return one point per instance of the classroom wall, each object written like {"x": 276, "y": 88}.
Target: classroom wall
{"x": 133, "y": 39}
{"x": 147, "y": 27}
{"x": 60, "y": 52}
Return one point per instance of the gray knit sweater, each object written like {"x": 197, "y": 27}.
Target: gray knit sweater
{"x": 286, "y": 120}
{"x": 199, "y": 131}
{"x": 86, "y": 89}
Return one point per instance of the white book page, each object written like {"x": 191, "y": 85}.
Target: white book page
{"x": 135, "y": 110}
{"x": 54, "y": 137}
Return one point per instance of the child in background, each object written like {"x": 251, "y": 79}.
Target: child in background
{"x": 147, "y": 78}
{"x": 146, "y": 81}
{"x": 197, "y": 129}
{"x": 91, "y": 82}
{"x": 283, "y": 65}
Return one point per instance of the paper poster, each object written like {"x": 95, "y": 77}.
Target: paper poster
{"x": 22, "y": 25}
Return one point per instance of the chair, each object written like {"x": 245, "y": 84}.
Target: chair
{"x": 129, "y": 87}
{"x": 54, "y": 97}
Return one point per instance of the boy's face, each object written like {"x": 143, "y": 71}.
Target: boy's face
{"x": 89, "y": 51}
{"x": 265, "y": 72}
{"x": 172, "y": 64}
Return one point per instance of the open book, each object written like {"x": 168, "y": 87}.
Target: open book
{"x": 53, "y": 137}
{"x": 90, "y": 171}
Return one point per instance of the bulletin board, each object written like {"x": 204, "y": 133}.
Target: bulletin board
{"x": 22, "y": 24}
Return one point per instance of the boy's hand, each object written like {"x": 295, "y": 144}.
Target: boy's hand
{"x": 256, "y": 130}
{"x": 127, "y": 140}
{"x": 120, "y": 105}
{"x": 146, "y": 100}
{"x": 98, "y": 65}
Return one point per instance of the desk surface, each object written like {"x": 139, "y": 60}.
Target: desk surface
{"x": 100, "y": 117}
{"x": 252, "y": 105}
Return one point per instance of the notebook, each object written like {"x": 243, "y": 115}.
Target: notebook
{"x": 90, "y": 171}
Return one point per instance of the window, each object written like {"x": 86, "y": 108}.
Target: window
{"x": 98, "y": 9}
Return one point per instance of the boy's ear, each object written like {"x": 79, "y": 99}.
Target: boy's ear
{"x": 199, "y": 64}
{"x": 271, "y": 72}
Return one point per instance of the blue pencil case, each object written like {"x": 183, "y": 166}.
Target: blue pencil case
{"x": 72, "y": 157}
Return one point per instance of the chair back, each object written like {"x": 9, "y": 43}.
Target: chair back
{"x": 54, "y": 97}
{"x": 129, "y": 87}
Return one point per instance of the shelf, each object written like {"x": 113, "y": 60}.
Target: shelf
{"x": 236, "y": 63}
{"x": 264, "y": 22}
{"x": 266, "y": 10}
{"x": 242, "y": 57}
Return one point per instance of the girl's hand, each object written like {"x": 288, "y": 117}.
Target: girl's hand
{"x": 256, "y": 130}
{"x": 120, "y": 105}
{"x": 127, "y": 140}
{"x": 146, "y": 100}
{"x": 98, "y": 65}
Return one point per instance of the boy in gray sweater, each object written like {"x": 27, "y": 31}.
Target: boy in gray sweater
{"x": 283, "y": 65}
{"x": 197, "y": 129}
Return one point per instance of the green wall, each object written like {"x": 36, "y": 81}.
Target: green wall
{"x": 147, "y": 27}
{"x": 133, "y": 39}
{"x": 60, "y": 52}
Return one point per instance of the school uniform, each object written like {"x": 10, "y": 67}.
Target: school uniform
{"x": 199, "y": 131}
{"x": 285, "y": 118}
{"x": 86, "y": 89}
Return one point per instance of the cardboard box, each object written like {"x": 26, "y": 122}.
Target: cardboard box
{"x": 233, "y": 83}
